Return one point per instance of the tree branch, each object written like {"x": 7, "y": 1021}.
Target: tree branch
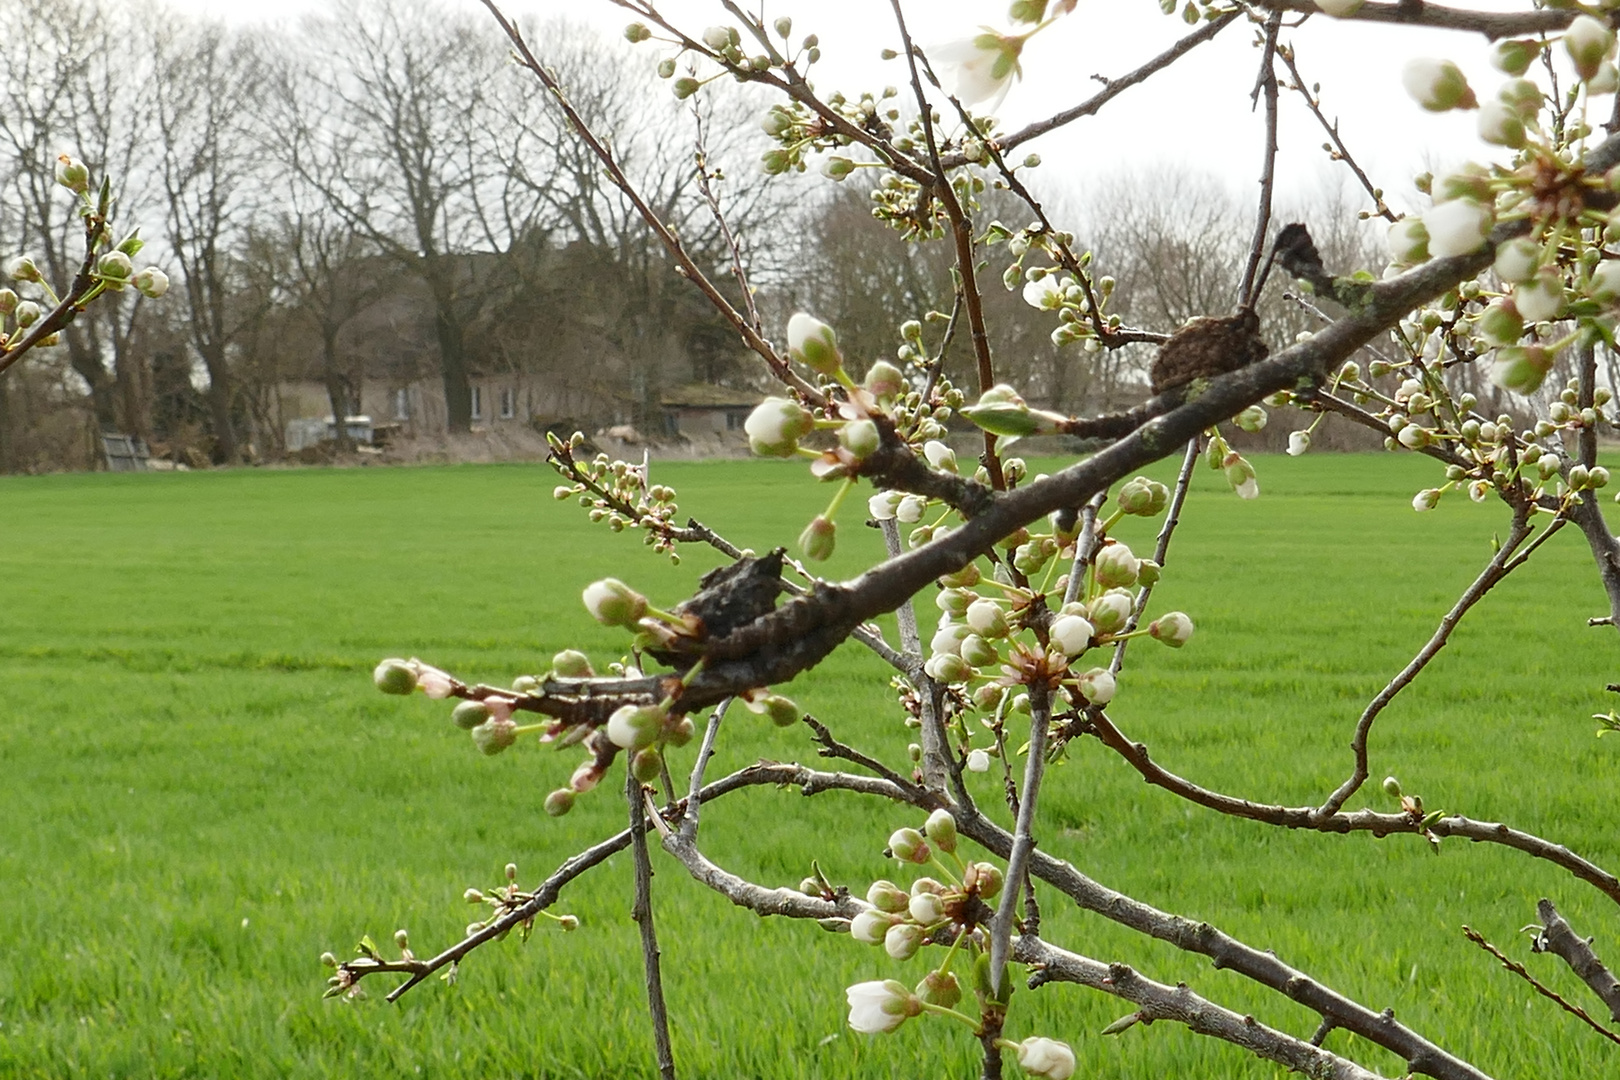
{"x": 642, "y": 913}
{"x": 1557, "y": 938}
{"x": 1180, "y": 1005}
{"x": 1541, "y": 988}
{"x": 1492, "y": 24}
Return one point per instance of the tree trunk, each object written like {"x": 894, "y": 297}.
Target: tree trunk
{"x": 134, "y": 396}
{"x": 226, "y": 451}
{"x": 453, "y": 367}
{"x": 8, "y": 445}
{"x": 87, "y": 364}
{"x": 337, "y": 392}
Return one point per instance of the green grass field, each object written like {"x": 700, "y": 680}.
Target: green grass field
{"x": 200, "y": 790}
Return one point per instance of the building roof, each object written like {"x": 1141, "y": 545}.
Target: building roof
{"x": 708, "y": 396}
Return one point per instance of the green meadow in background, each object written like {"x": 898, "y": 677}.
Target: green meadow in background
{"x": 200, "y": 791}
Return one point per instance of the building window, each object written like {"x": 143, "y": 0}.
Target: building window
{"x": 508, "y": 404}
{"x": 402, "y": 404}
{"x": 735, "y": 421}
{"x": 478, "y": 403}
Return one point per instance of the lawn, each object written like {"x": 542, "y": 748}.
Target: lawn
{"x": 200, "y": 791}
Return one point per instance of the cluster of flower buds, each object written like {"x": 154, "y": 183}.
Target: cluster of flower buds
{"x": 502, "y": 900}
{"x": 953, "y": 911}
{"x": 722, "y": 46}
{"x": 114, "y": 269}
{"x": 616, "y": 493}
{"x": 1486, "y": 454}
{"x": 993, "y": 636}
{"x": 796, "y": 132}
{"x": 1051, "y": 289}
{"x": 1559, "y": 273}
{"x": 903, "y": 920}
{"x": 777, "y": 425}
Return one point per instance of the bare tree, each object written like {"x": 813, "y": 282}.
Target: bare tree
{"x": 388, "y": 115}
{"x": 207, "y": 96}
{"x": 72, "y": 86}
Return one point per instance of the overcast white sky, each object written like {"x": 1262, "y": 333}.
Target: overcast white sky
{"x": 1195, "y": 113}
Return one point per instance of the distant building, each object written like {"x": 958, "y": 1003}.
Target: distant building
{"x": 699, "y": 410}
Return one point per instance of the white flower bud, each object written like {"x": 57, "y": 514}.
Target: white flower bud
{"x": 1408, "y": 241}
{"x": 1521, "y": 368}
{"x": 813, "y": 343}
{"x": 1437, "y": 85}
{"x": 394, "y": 677}
{"x": 1298, "y": 443}
{"x": 635, "y": 727}
{"x": 910, "y": 510}
{"x": 903, "y": 940}
{"x": 1458, "y": 227}
{"x": 1071, "y": 634}
{"x": 908, "y": 845}
{"x": 613, "y": 603}
{"x": 775, "y": 427}
{"x": 22, "y": 268}
{"x": 1605, "y": 288}
{"x": 1518, "y": 259}
{"x": 978, "y": 761}
{"x": 860, "y": 438}
{"x": 869, "y": 927}
{"x": 1048, "y": 1058}
{"x": 926, "y": 908}
{"x": 1108, "y": 613}
{"x": 818, "y": 539}
{"x": 1588, "y": 43}
{"x": 987, "y": 619}
{"x": 882, "y": 506}
{"x": 940, "y": 456}
{"x": 1500, "y": 125}
{"x": 1116, "y": 566}
{"x": 876, "y": 1008}
{"x": 72, "y": 174}
{"x": 1541, "y": 298}
{"x": 1097, "y": 686}
{"x": 1173, "y": 628}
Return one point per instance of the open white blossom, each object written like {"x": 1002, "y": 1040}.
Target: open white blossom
{"x": 1045, "y": 292}
{"x": 878, "y": 1007}
{"x": 980, "y": 69}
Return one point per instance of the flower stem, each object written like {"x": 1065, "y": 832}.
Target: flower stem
{"x": 940, "y": 1010}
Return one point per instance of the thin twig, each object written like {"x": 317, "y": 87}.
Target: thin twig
{"x": 729, "y": 238}
{"x": 935, "y": 753}
{"x": 1558, "y": 938}
{"x": 962, "y": 237}
{"x": 1495, "y": 570}
{"x": 1340, "y": 151}
{"x": 1023, "y": 837}
{"x": 642, "y": 913}
{"x": 1161, "y": 549}
{"x": 1266, "y": 84}
{"x": 1112, "y": 88}
{"x": 1492, "y": 24}
{"x": 694, "y": 794}
{"x": 688, "y": 268}
{"x": 1519, "y": 970}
